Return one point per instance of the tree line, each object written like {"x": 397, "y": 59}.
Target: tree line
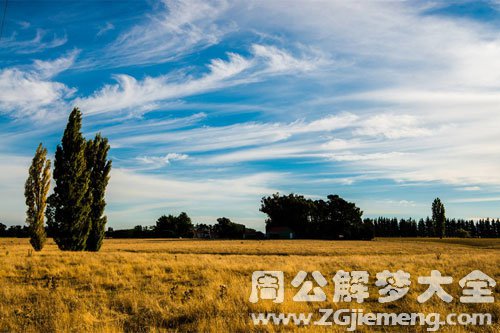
{"x": 335, "y": 218}
{"x": 394, "y": 227}
{"x": 75, "y": 210}
{"x": 181, "y": 226}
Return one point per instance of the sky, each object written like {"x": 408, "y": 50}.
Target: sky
{"x": 211, "y": 105}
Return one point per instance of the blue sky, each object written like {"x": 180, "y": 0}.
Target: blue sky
{"x": 210, "y": 105}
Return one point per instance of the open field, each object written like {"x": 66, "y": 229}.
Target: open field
{"x": 159, "y": 285}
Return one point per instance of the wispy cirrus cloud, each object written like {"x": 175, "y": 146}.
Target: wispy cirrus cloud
{"x": 204, "y": 139}
{"x": 392, "y": 126}
{"x": 30, "y": 91}
{"x": 145, "y": 94}
{"x": 175, "y": 29}
{"x": 130, "y": 93}
{"x": 42, "y": 41}
{"x": 105, "y": 28}
{"x": 155, "y": 162}
{"x": 278, "y": 60}
{"x": 470, "y": 188}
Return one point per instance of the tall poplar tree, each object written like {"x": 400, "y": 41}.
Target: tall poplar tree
{"x": 71, "y": 199}
{"x": 439, "y": 217}
{"x": 100, "y": 166}
{"x": 35, "y": 191}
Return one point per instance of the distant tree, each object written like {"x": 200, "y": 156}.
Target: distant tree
{"x": 292, "y": 211}
{"x": 394, "y": 228}
{"x": 184, "y": 225}
{"x": 421, "y": 228}
{"x": 99, "y": 167}
{"x": 332, "y": 219}
{"x": 18, "y": 231}
{"x": 343, "y": 220}
{"x": 166, "y": 226}
{"x": 174, "y": 226}
{"x": 71, "y": 202}
{"x": 438, "y": 217}
{"x": 35, "y": 191}
{"x": 227, "y": 229}
{"x": 367, "y": 230}
{"x": 430, "y": 227}
{"x": 451, "y": 227}
{"x": 404, "y": 228}
{"x": 413, "y": 228}
{"x": 3, "y": 230}
{"x": 138, "y": 231}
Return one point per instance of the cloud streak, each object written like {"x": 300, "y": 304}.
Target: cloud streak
{"x": 176, "y": 29}
{"x": 32, "y": 92}
{"x": 37, "y": 44}
{"x": 130, "y": 93}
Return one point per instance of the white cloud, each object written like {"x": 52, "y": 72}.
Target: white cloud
{"x": 280, "y": 61}
{"x": 240, "y": 135}
{"x": 138, "y": 126}
{"x": 340, "y": 144}
{"x": 365, "y": 157}
{"x": 470, "y": 188}
{"x": 129, "y": 93}
{"x": 49, "y": 69}
{"x": 160, "y": 161}
{"x": 37, "y": 44}
{"x": 30, "y": 92}
{"x": 475, "y": 200}
{"x": 430, "y": 83}
{"x": 403, "y": 203}
{"x": 176, "y": 29}
{"x": 331, "y": 122}
{"x": 105, "y": 28}
{"x": 392, "y": 126}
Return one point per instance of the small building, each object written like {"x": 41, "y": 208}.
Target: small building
{"x": 279, "y": 233}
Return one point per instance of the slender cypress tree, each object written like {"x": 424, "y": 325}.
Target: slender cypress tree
{"x": 35, "y": 191}
{"x": 71, "y": 199}
{"x": 439, "y": 217}
{"x": 100, "y": 166}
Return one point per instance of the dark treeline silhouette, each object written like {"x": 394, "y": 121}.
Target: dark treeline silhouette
{"x": 181, "y": 226}
{"x": 14, "y": 231}
{"x": 394, "y": 227}
{"x": 382, "y": 227}
{"x": 294, "y": 216}
{"x": 334, "y": 218}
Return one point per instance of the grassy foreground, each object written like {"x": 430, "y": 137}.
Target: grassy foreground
{"x": 161, "y": 285}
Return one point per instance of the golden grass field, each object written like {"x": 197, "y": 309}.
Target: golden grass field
{"x": 158, "y": 285}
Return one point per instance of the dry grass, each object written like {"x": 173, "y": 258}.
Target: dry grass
{"x": 203, "y": 286}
